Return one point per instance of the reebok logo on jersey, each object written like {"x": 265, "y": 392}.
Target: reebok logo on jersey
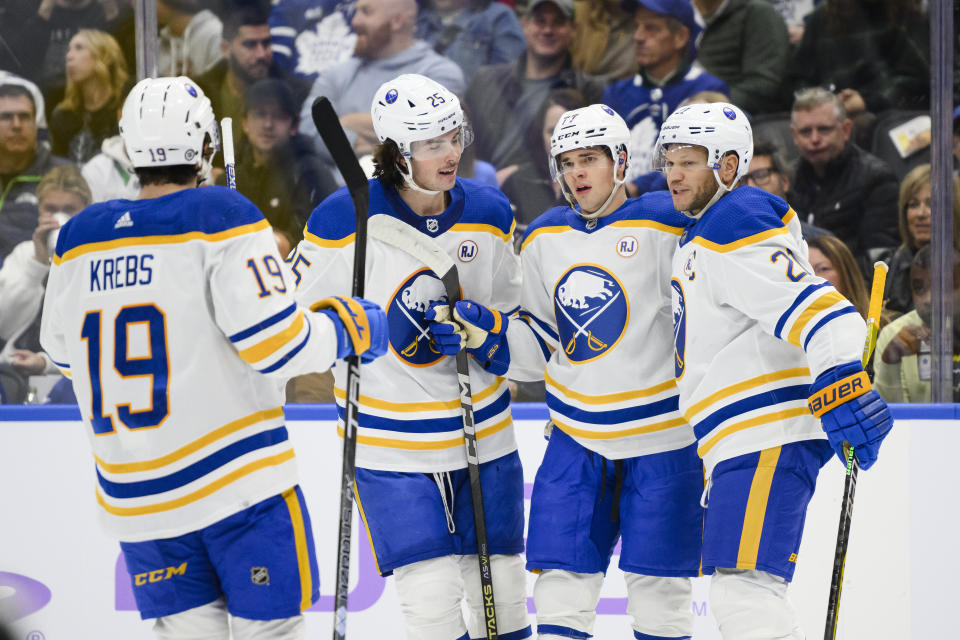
{"x": 124, "y": 221}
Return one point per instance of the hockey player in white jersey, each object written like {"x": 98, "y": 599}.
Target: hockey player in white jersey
{"x": 175, "y": 318}
{"x": 595, "y": 324}
{"x": 412, "y": 487}
{"x": 758, "y": 336}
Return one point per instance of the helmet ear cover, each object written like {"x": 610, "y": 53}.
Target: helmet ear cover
{"x": 168, "y": 122}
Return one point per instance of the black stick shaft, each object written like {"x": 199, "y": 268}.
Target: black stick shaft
{"x": 328, "y": 125}
{"x": 843, "y": 539}
{"x": 451, "y": 283}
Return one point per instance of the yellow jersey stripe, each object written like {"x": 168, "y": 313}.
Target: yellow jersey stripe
{"x": 107, "y": 245}
{"x": 608, "y": 398}
{"x": 757, "y": 509}
{"x": 610, "y": 435}
{"x": 742, "y": 242}
{"x": 327, "y": 243}
{"x": 726, "y": 392}
{"x": 542, "y": 230}
{"x": 412, "y": 407}
{"x": 200, "y": 493}
{"x": 421, "y": 445}
{"x": 300, "y": 541}
{"x": 196, "y": 445}
{"x": 647, "y": 224}
{"x": 366, "y": 525}
{"x": 756, "y": 421}
{"x": 274, "y": 343}
{"x": 484, "y": 228}
{"x": 822, "y": 303}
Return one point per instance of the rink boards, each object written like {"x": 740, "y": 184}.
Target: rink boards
{"x": 61, "y": 577}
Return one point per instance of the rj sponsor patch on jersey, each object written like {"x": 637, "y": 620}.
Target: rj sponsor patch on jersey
{"x": 591, "y": 310}
{"x": 409, "y": 338}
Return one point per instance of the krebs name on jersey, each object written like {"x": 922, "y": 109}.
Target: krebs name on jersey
{"x": 118, "y": 272}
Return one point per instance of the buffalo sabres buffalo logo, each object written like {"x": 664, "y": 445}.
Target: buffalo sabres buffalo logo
{"x": 679, "y": 327}
{"x": 591, "y": 310}
{"x": 409, "y": 337}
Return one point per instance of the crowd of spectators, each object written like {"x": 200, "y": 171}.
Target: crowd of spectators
{"x": 828, "y": 85}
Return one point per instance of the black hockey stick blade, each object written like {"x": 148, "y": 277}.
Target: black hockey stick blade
{"x": 328, "y": 125}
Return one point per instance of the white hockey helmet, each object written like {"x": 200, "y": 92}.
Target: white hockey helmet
{"x": 596, "y": 125}
{"x": 718, "y": 127}
{"x": 165, "y": 122}
{"x": 413, "y": 108}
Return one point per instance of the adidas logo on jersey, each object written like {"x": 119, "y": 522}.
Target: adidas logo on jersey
{"x": 124, "y": 221}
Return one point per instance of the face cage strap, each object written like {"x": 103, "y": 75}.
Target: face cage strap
{"x": 408, "y": 176}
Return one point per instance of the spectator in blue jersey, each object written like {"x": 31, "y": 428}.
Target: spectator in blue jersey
{"x": 504, "y": 98}
{"x": 386, "y": 47}
{"x": 838, "y": 185}
{"x": 23, "y": 161}
{"x": 247, "y": 58}
{"x": 745, "y": 43}
{"x": 667, "y": 74}
{"x": 472, "y": 32}
{"x": 310, "y": 35}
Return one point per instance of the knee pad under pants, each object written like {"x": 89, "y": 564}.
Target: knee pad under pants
{"x": 661, "y": 607}
{"x": 281, "y": 629}
{"x": 430, "y": 593}
{"x": 207, "y": 622}
{"x": 566, "y": 603}
{"x": 509, "y": 590}
{"x": 211, "y": 622}
{"x": 752, "y": 605}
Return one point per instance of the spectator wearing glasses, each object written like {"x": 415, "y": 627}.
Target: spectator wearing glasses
{"x": 915, "y": 230}
{"x": 838, "y": 185}
{"x": 769, "y": 171}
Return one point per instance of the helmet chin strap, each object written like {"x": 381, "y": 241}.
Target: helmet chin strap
{"x": 407, "y": 174}
{"x": 721, "y": 190}
{"x": 617, "y": 183}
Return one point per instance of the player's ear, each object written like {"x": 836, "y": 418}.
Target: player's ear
{"x": 728, "y": 168}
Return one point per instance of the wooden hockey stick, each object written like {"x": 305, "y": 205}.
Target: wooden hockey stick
{"x": 402, "y": 236}
{"x": 229, "y": 160}
{"x": 853, "y": 466}
{"x": 328, "y": 125}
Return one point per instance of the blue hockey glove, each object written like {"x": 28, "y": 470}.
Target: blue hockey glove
{"x": 447, "y": 335}
{"x": 851, "y": 412}
{"x": 361, "y": 326}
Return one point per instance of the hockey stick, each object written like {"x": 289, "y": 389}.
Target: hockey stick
{"x": 229, "y": 160}
{"x": 853, "y": 466}
{"x": 421, "y": 246}
{"x": 328, "y": 125}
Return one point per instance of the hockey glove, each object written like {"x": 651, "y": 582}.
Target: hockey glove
{"x": 851, "y": 412}
{"x": 447, "y": 335}
{"x": 483, "y": 331}
{"x": 361, "y": 326}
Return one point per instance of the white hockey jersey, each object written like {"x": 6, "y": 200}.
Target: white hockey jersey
{"x": 167, "y": 313}
{"x": 410, "y": 416}
{"x": 753, "y": 326}
{"x": 597, "y": 298}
